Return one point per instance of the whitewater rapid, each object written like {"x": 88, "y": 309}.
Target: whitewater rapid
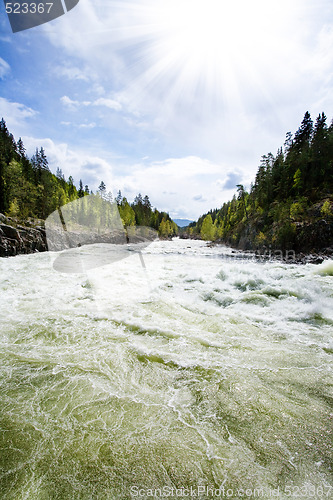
{"x": 186, "y": 369}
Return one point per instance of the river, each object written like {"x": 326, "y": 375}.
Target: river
{"x": 190, "y": 373}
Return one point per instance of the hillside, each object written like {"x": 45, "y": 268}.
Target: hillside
{"x": 289, "y": 205}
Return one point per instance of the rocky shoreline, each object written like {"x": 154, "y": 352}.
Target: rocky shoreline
{"x": 287, "y": 257}
{"x": 16, "y": 239}
{"x": 265, "y": 253}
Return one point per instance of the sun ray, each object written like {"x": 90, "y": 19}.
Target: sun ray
{"x": 201, "y": 47}
{"x": 198, "y": 59}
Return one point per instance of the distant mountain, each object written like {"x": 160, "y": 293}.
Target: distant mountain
{"x": 182, "y": 222}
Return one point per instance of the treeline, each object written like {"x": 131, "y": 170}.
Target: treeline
{"x": 141, "y": 213}
{"x": 29, "y": 190}
{"x": 290, "y": 203}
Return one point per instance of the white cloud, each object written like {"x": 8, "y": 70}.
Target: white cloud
{"x": 80, "y": 125}
{"x": 109, "y": 103}
{"x": 79, "y": 164}
{"x": 72, "y": 73}
{"x": 87, "y": 125}
{"x": 185, "y": 187}
{"x": 101, "y": 101}
{"x": 66, "y": 101}
{"x": 4, "y": 68}
{"x": 16, "y": 115}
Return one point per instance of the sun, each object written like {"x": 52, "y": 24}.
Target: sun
{"x": 196, "y": 30}
{"x": 201, "y": 43}
{"x": 212, "y": 51}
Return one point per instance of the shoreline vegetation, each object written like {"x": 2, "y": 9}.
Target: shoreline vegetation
{"x": 286, "y": 215}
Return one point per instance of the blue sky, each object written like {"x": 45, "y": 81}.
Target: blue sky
{"x": 177, "y": 99}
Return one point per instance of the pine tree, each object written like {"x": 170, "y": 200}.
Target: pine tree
{"x": 241, "y": 196}
{"x": 71, "y": 188}
{"x": 109, "y": 197}
{"x": 102, "y": 189}
{"x": 146, "y": 202}
{"x": 80, "y": 191}
{"x": 319, "y": 153}
{"x": 119, "y": 198}
{"x": 44, "y": 164}
{"x": 138, "y": 199}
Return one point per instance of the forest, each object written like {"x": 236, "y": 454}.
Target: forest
{"x": 30, "y": 191}
{"x": 289, "y": 205}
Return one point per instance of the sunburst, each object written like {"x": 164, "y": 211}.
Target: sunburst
{"x": 207, "y": 50}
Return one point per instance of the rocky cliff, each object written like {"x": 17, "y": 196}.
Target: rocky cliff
{"x": 17, "y": 239}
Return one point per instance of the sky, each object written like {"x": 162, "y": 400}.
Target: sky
{"x": 176, "y": 99}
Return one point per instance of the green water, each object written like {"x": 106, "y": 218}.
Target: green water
{"x": 201, "y": 374}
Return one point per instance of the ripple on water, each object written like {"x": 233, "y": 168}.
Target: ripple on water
{"x": 223, "y": 377}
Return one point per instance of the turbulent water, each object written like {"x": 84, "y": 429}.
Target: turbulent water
{"x": 195, "y": 374}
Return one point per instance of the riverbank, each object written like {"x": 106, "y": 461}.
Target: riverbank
{"x": 288, "y": 256}
{"x": 30, "y": 237}
{"x": 267, "y": 253}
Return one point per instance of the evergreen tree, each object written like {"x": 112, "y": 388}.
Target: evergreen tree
{"x": 119, "y": 198}
{"x": 59, "y": 174}
{"x": 80, "y": 191}
{"x": 241, "y": 196}
{"x": 138, "y": 200}
{"x": 71, "y": 189}
{"x": 44, "y": 164}
{"x": 102, "y": 189}
{"x": 109, "y": 197}
{"x": 3, "y": 197}
{"x": 320, "y": 153}
{"x": 146, "y": 202}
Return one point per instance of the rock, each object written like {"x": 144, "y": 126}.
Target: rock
{"x": 10, "y": 232}
{"x": 20, "y": 239}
